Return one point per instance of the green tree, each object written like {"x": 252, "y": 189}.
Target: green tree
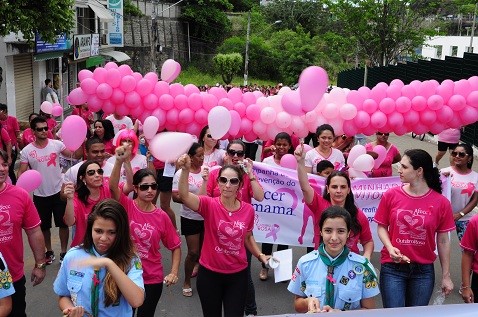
{"x": 228, "y": 65}
{"x": 48, "y": 18}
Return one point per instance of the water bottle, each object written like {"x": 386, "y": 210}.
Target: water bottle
{"x": 439, "y": 298}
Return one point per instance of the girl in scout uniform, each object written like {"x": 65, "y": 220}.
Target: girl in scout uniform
{"x": 332, "y": 278}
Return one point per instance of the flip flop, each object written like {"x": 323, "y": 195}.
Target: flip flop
{"x": 187, "y": 292}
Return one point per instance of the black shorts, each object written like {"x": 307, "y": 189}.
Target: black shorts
{"x": 165, "y": 183}
{"x": 48, "y": 205}
{"x": 191, "y": 227}
{"x": 443, "y": 146}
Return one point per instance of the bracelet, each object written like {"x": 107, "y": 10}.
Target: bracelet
{"x": 464, "y": 287}
{"x": 259, "y": 256}
{"x": 462, "y": 213}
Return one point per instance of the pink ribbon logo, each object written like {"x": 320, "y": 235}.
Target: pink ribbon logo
{"x": 52, "y": 160}
{"x": 273, "y": 232}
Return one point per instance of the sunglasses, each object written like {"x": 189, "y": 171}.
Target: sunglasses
{"x": 380, "y": 133}
{"x": 92, "y": 172}
{"x": 234, "y": 152}
{"x": 209, "y": 136}
{"x": 224, "y": 180}
{"x": 144, "y": 187}
{"x": 41, "y": 129}
{"x": 459, "y": 154}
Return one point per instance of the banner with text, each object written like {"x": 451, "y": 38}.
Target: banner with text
{"x": 283, "y": 218}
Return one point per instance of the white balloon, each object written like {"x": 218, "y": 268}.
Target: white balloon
{"x": 150, "y": 127}
{"x": 168, "y": 146}
{"x": 364, "y": 163}
{"x": 219, "y": 121}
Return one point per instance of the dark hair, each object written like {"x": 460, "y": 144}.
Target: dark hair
{"x": 469, "y": 151}
{"x": 81, "y": 189}
{"x": 335, "y": 212}
{"x": 90, "y": 142}
{"x": 142, "y": 173}
{"x": 47, "y": 81}
{"x": 324, "y": 127}
{"x": 121, "y": 251}
{"x": 349, "y": 204}
{"x": 236, "y": 141}
{"x": 201, "y": 137}
{"x": 3, "y": 155}
{"x": 285, "y": 136}
{"x": 324, "y": 164}
{"x": 39, "y": 119}
{"x": 235, "y": 168}
{"x": 109, "y": 129}
{"x": 3, "y": 107}
{"x": 420, "y": 158}
{"x": 31, "y": 115}
{"x": 192, "y": 150}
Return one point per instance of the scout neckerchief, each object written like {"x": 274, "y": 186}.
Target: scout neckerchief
{"x": 329, "y": 284}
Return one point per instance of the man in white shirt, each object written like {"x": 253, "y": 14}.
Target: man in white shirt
{"x": 120, "y": 122}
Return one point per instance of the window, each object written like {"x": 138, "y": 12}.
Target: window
{"x": 439, "y": 51}
{"x": 454, "y": 51}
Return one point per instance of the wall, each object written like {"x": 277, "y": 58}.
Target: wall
{"x": 429, "y": 50}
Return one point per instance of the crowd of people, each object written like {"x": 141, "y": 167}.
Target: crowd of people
{"x": 109, "y": 196}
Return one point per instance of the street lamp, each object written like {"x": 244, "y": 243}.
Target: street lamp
{"x": 246, "y": 56}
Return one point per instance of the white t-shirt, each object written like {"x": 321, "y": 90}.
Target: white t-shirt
{"x": 137, "y": 162}
{"x": 47, "y": 162}
{"x": 72, "y": 173}
{"x": 125, "y": 123}
{"x": 313, "y": 157}
{"x": 216, "y": 158}
{"x": 270, "y": 161}
{"x": 195, "y": 181}
{"x": 463, "y": 186}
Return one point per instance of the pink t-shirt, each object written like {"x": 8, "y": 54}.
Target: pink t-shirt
{"x": 51, "y": 124}
{"x": 28, "y": 136}
{"x": 82, "y": 211}
{"x": 449, "y": 136}
{"x": 313, "y": 157}
{"x": 319, "y": 204}
{"x": 385, "y": 168}
{"x": 11, "y": 125}
{"x": 463, "y": 186}
{"x": 245, "y": 193}
{"x": 17, "y": 212}
{"x": 46, "y": 161}
{"x": 109, "y": 146}
{"x": 87, "y": 115}
{"x": 216, "y": 158}
{"x": 413, "y": 223}
{"x": 223, "y": 249}
{"x": 470, "y": 242}
{"x": 4, "y": 138}
{"x": 147, "y": 230}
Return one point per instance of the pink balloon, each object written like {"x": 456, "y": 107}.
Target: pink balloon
{"x": 94, "y": 103}
{"x": 235, "y": 95}
{"x": 435, "y": 102}
{"x": 150, "y": 127}
{"x": 57, "y": 110}
{"x": 310, "y": 116}
{"x": 382, "y": 154}
{"x": 387, "y": 105}
{"x": 150, "y": 102}
{"x": 132, "y": 99}
{"x": 246, "y": 126}
{"x": 208, "y": 101}
{"x": 268, "y": 115}
{"x": 355, "y": 97}
{"x": 330, "y": 111}
{"x": 437, "y": 127}
{"x": 288, "y": 161}
{"x": 350, "y": 128}
{"x": 457, "y": 102}
{"x": 113, "y": 77}
{"x": 283, "y": 120}
{"x": 29, "y": 180}
{"x": 181, "y": 102}
{"x": 355, "y": 152}
{"x": 378, "y": 92}
{"x": 139, "y": 112}
{"x": 190, "y": 89}
{"x": 170, "y": 70}
{"x": 411, "y": 118}
{"x": 218, "y": 92}
{"x": 122, "y": 110}
{"x": 176, "y": 89}
{"x": 125, "y": 70}
{"x": 200, "y": 116}
{"x": 409, "y": 92}
{"x": 394, "y": 91}
{"x": 226, "y": 103}
{"x": 84, "y": 73}
{"x": 348, "y": 111}
{"x": 419, "y": 103}
{"x": 77, "y": 97}
{"x": 104, "y": 91}
{"x": 176, "y": 144}
{"x": 219, "y": 121}
{"x": 160, "y": 114}
{"x": 364, "y": 92}
{"x": 397, "y": 82}
{"x": 462, "y": 87}
{"x": 363, "y": 163}
{"x": 353, "y": 173}
{"x": 420, "y": 128}
{"x": 137, "y": 76}
{"x": 108, "y": 107}
{"x": 235, "y": 123}
{"x": 111, "y": 65}
{"x": 259, "y": 127}
{"x": 445, "y": 90}
{"x": 166, "y": 102}
{"x": 144, "y": 87}
{"x": 100, "y": 74}
{"x": 291, "y": 103}
{"x": 117, "y": 96}
{"x": 427, "y": 89}
{"x": 73, "y": 132}
{"x": 152, "y": 77}
{"x": 186, "y": 116}
{"x": 445, "y": 114}
{"x": 89, "y": 85}
{"x": 362, "y": 119}
{"x": 455, "y": 122}
{"x": 468, "y": 115}
{"x": 250, "y": 137}
{"x": 395, "y": 119}
{"x": 403, "y": 104}
{"x": 194, "y": 129}
{"x": 46, "y": 107}
{"x": 313, "y": 83}
{"x": 195, "y": 101}
{"x": 370, "y": 106}
{"x": 161, "y": 88}
{"x": 378, "y": 119}
{"x": 240, "y": 108}
{"x": 472, "y": 99}
{"x": 127, "y": 84}
{"x": 248, "y": 98}
{"x": 172, "y": 116}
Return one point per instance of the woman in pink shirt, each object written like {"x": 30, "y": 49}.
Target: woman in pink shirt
{"x": 103, "y": 130}
{"x": 393, "y": 155}
{"x": 228, "y": 222}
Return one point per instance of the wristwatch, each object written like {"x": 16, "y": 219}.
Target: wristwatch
{"x": 41, "y": 266}
{"x": 462, "y": 214}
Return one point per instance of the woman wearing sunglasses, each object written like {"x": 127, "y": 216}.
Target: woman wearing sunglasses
{"x": 464, "y": 186}
{"x": 80, "y": 201}
{"x": 213, "y": 155}
{"x": 149, "y": 225}
{"x": 393, "y": 155}
{"x": 222, "y": 280}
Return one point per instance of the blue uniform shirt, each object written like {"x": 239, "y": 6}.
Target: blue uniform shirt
{"x": 75, "y": 282}
{"x": 355, "y": 279}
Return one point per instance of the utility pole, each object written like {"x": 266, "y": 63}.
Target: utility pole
{"x": 470, "y": 49}
{"x": 154, "y": 35}
{"x": 246, "y": 56}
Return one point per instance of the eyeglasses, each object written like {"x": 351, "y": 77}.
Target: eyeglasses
{"x": 41, "y": 129}
{"x": 209, "y": 136}
{"x": 459, "y": 154}
{"x": 144, "y": 187}
{"x": 92, "y": 172}
{"x": 224, "y": 180}
{"x": 234, "y": 152}
{"x": 385, "y": 134}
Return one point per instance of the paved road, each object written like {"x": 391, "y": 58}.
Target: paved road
{"x": 272, "y": 299}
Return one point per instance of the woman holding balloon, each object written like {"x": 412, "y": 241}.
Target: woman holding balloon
{"x": 386, "y": 151}
{"x": 213, "y": 156}
{"x": 324, "y": 151}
